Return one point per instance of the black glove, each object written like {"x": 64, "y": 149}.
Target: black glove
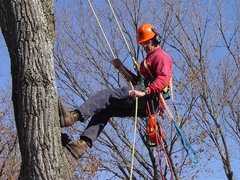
{"x": 117, "y": 63}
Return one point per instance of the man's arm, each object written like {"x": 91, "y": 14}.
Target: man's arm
{"x": 128, "y": 75}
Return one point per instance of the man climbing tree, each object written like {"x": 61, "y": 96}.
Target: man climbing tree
{"x": 157, "y": 70}
{"x": 28, "y": 29}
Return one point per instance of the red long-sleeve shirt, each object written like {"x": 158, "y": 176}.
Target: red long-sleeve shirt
{"x": 160, "y": 64}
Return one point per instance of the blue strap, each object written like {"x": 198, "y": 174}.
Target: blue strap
{"x": 186, "y": 143}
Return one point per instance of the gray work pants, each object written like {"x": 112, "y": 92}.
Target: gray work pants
{"x": 105, "y": 105}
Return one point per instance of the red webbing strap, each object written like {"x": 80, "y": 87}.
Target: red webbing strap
{"x": 148, "y": 109}
{"x": 159, "y": 155}
{"x": 160, "y": 163}
{"x": 160, "y": 137}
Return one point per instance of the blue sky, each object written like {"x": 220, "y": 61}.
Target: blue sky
{"x": 5, "y": 75}
{"x": 5, "y": 82}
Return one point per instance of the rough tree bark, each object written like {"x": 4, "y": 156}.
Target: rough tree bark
{"x": 28, "y": 29}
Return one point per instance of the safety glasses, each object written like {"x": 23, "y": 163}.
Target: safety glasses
{"x": 146, "y": 43}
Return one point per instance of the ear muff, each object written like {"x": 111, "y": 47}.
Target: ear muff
{"x": 157, "y": 37}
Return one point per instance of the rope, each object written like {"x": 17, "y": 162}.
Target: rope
{"x": 135, "y": 65}
{"x": 99, "y": 24}
{"x": 123, "y": 72}
{"x": 184, "y": 140}
{"x": 159, "y": 143}
{"x": 134, "y": 138}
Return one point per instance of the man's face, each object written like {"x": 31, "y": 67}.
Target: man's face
{"x": 148, "y": 46}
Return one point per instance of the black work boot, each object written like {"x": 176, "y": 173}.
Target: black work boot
{"x": 77, "y": 148}
{"x": 68, "y": 118}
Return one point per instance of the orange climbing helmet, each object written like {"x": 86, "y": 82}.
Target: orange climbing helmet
{"x": 145, "y": 32}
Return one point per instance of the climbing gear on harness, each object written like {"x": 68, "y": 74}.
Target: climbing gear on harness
{"x": 157, "y": 130}
{"x": 165, "y": 91}
{"x": 156, "y": 135}
{"x": 151, "y": 129}
{"x": 68, "y": 118}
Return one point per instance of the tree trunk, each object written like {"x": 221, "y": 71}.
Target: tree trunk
{"x": 28, "y": 28}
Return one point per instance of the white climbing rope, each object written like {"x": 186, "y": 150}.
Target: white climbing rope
{"x": 134, "y": 138}
{"x": 99, "y": 24}
{"x": 123, "y": 71}
{"x": 125, "y": 41}
{"x": 136, "y": 107}
{"x": 137, "y": 68}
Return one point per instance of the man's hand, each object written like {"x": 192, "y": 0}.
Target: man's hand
{"x": 117, "y": 63}
{"x": 136, "y": 93}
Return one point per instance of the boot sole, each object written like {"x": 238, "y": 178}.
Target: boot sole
{"x": 73, "y": 153}
{"x": 60, "y": 105}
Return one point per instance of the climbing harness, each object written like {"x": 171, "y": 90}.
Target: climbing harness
{"x": 156, "y": 135}
{"x": 184, "y": 140}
